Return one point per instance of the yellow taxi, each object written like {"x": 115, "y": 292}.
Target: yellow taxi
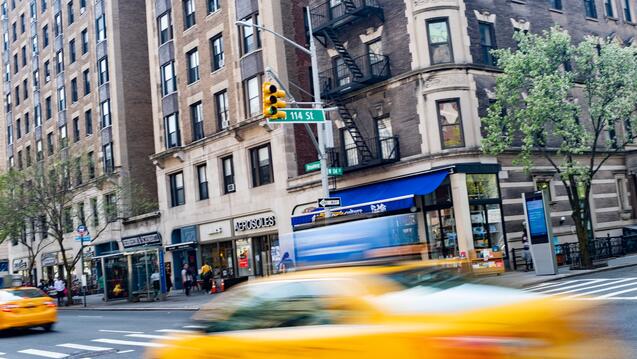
{"x": 23, "y": 307}
{"x": 401, "y": 311}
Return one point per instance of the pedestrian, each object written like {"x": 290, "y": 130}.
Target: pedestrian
{"x": 286, "y": 264}
{"x": 59, "y": 287}
{"x": 155, "y": 280}
{"x": 528, "y": 260}
{"x": 186, "y": 279}
{"x": 206, "y": 276}
{"x": 169, "y": 280}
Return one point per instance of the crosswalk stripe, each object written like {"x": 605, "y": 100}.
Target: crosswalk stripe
{"x": 84, "y": 347}
{"x": 616, "y": 293}
{"x": 570, "y": 286}
{"x": 604, "y": 289}
{"x": 550, "y": 284}
{"x": 119, "y": 331}
{"x": 125, "y": 351}
{"x": 175, "y": 331}
{"x": 43, "y": 353}
{"x": 126, "y": 342}
{"x": 194, "y": 326}
{"x": 150, "y": 336}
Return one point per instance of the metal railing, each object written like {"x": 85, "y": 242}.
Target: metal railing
{"x": 600, "y": 248}
{"x": 331, "y": 11}
{"x": 372, "y": 66}
{"x": 383, "y": 149}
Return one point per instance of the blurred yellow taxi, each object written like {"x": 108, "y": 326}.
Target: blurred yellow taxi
{"x": 402, "y": 311}
{"x": 23, "y": 307}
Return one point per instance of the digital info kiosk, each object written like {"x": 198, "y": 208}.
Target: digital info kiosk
{"x": 539, "y": 232}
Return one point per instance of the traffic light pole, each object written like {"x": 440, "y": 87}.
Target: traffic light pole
{"x": 322, "y": 153}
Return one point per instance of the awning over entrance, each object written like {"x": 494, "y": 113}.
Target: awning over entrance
{"x": 179, "y": 246}
{"x": 387, "y": 196}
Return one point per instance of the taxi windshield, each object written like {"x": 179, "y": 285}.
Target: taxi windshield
{"x": 440, "y": 278}
{"x": 27, "y": 293}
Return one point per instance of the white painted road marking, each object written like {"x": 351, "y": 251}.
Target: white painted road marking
{"x": 578, "y": 290}
{"x": 126, "y": 342}
{"x": 616, "y": 293}
{"x": 150, "y": 336}
{"x": 542, "y": 291}
{"x": 194, "y": 326}
{"x": 84, "y": 347}
{"x": 175, "y": 331}
{"x": 43, "y": 353}
{"x": 125, "y": 351}
{"x": 120, "y": 331}
{"x": 604, "y": 289}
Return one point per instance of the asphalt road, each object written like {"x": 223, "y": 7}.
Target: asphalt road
{"x": 91, "y": 334}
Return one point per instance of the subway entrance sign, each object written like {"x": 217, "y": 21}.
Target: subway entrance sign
{"x": 300, "y": 115}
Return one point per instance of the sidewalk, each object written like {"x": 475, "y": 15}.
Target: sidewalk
{"x": 176, "y": 300}
{"x": 517, "y": 279}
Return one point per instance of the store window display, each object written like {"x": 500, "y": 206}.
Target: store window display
{"x": 441, "y": 224}
{"x": 486, "y": 211}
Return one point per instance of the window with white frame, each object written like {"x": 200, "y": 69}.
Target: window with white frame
{"x": 165, "y": 28}
{"x": 221, "y": 102}
{"x": 168, "y": 80}
{"x": 102, "y": 68}
{"x": 106, "y": 113}
{"x": 252, "y": 96}
{"x": 193, "y": 65}
{"x": 171, "y": 124}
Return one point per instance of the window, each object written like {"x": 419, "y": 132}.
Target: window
{"x": 36, "y": 79}
{"x": 63, "y": 137}
{"x": 39, "y": 153}
{"x": 542, "y": 184}
{"x": 24, "y": 56}
{"x": 44, "y": 4}
{"x": 16, "y": 64}
{"x": 87, "y": 82}
{"x": 84, "y": 41}
{"x": 91, "y": 164}
{"x": 58, "y": 24}
{"x": 350, "y": 149}
{"x": 375, "y": 52}
{"x": 37, "y": 113}
{"x": 11, "y": 162}
{"x": 72, "y": 53}
{"x": 70, "y": 16}
{"x": 18, "y": 129}
{"x": 202, "y": 180}
{"x": 59, "y": 62}
{"x": 110, "y": 207}
{"x": 10, "y": 134}
{"x": 95, "y": 213}
{"x": 14, "y": 28}
{"x": 106, "y": 113}
{"x": 177, "y": 189}
{"x": 487, "y": 42}
{"x": 5, "y": 41}
{"x": 20, "y": 163}
{"x": 34, "y": 44}
{"x": 76, "y": 129}
{"x": 173, "y": 138}
{"x": 88, "y": 122}
{"x": 221, "y": 101}
{"x": 27, "y": 124}
{"x": 33, "y": 10}
{"x": 109, "y": 165}
{"x": 80, "y": 210}
{"x": 341, "y": 72}
{"x": 193, "y": 65}
{"x": 82, "y": 6}
{"x": 7, "y": 72}
{"x": 8, "y": 102}
{"x": 249, "y": 38}
{"x": 628, "y": 13}
{"x": 165, "y": 28}
{"x": 61, "y": 99}
{"x": 213, "y": 5}
{"x": 17, "y": 95}
{"x": 216, "y": 45}
{"x": 608, "y": 6}
{"x": 189, "y": 14}
{"x": 50, "y": 148}
{"x": 261, "y": 166}
{"x": 25, "y": 88}
{"x": 23, "y": 24}
{"x": 49, "y": 110}
{"x": 68, "y": 220}
{"x": 622, "y": 194}
{"x": 169, "y": 83}
{"x": 45, "y": 36}
{"x": 77, "y": 168}
{"x": 196, "y": 116}
{"x": 440, "y": 50}
{"x": 28, "y": 155}
{"x": 102, "y": 68}
{"x": 590, "y": 8}
{"x": 47, "y": 71}
{"x": 450, "y": 122}
{"x": 100, "y": 29}
{"x": 252, "y": 96}
{"x": 228, "y": 175}
{"x": 74, "y": 95}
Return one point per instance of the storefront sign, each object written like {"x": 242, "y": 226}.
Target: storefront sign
{"x": 149, "y": 239}
{"x": 4, "y": 266}
{"x": 214, "y": 231}
{"x": 49, "y": 259}
{"x": 255, "y": 223}
{"x": 20, "y": 264}
{"x": 180, "y": 246}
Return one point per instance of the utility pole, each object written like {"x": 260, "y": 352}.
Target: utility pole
{"x": 322, "y": 153}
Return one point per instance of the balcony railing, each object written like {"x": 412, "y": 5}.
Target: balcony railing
{"x": 335, "y": 13}
{"x": 383, "y": 149}
{"x": 340, "y": 79}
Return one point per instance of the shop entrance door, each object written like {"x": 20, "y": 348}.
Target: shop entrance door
{"x": 263, "y": 255}
{"x": 441, "y": 233}
{"x": 180, "y": 258}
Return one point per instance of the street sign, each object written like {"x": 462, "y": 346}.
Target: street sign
{"x": 313, "y": 166}
{"x": 83, "y": 239}
{"x": 329, "y": 202}
{"x": 300, "y": 115}
{"x": 335, "y": 171}
{"x": 81, "y": 230}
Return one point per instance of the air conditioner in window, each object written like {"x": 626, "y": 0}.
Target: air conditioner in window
{"x": 225, "y": 124}
{"x": 230, "y": 187}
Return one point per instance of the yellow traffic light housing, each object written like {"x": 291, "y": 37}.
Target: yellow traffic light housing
{"x": 272, "y": 101}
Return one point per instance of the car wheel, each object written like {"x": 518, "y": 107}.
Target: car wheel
{"x": 48, "y": 327}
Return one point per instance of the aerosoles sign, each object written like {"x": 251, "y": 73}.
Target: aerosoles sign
{"x": 254, "y": 223}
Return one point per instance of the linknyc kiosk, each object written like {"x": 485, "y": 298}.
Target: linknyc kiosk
{"x": 540, "y": 233}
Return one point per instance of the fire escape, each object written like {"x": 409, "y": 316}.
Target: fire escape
{"x": 330, "y": 19}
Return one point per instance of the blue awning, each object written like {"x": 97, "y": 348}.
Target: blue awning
{"x": 415, "y": 185}
{"x": 388, "y": 196}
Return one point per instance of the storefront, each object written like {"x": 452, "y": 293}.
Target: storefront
{"x": 52, "y": 267}
{"x": 454, "y": 211}
{"x": 183, "y": 247}
{"x": 20, "y": 266}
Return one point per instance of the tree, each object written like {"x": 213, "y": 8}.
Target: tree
{"x": 49, "y": 191}
{"x": 572, "y": 105}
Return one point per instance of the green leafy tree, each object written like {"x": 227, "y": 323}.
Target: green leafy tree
{"x": 571, "y": 105}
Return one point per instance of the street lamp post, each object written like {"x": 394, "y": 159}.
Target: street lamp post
{"x": 322, "y": 153}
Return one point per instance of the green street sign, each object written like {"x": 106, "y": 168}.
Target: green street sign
{"x": 300, "y": 115}
{"x": 313, "y": 166}
{"x": 335, "y": 171}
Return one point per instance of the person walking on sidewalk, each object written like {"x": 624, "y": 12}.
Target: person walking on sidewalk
{"x": 59, "y": 287}
{"x": 155, "y": 279}
{"x": 206, "y": 276}
{"x": 186, "y": 278}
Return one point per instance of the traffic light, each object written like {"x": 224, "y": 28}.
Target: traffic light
{"x": 272, "y": 101}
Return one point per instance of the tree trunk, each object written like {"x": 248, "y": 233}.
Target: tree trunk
{"x": 581, "y": 228}
{"x": 69, "y": 286}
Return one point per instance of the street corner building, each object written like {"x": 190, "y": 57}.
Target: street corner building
{"x": 75, "y": 84}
